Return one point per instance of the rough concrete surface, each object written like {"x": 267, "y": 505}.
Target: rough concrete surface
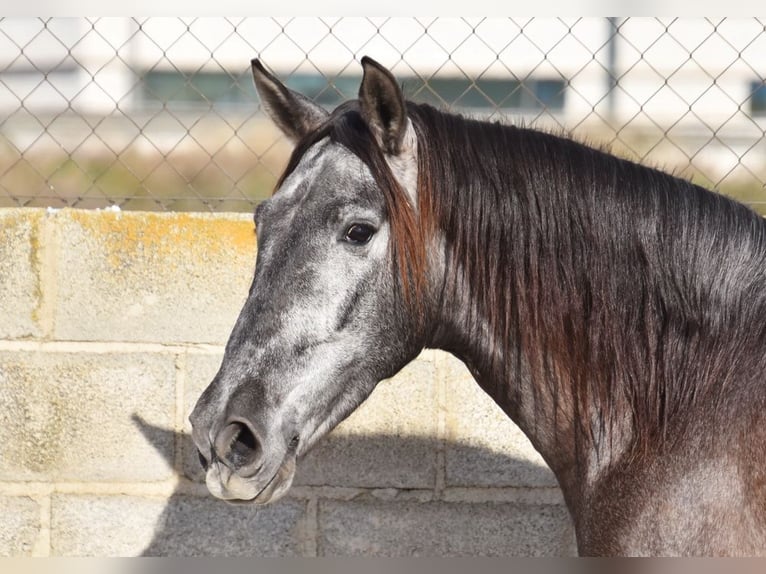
{"x": 20, "y": 295}
{"x": 67, "y": 416}
{"x": 19, "y": 525}
{"x": 112, "y": 324}
{"x": 366, "y": 528}
{"x": 157, "y": 277}
{"x": 180, "y": 526}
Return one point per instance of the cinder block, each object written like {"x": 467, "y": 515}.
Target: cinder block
{"x": 389, "y": 441}
{"x": 160, "y": 277}
{"x": 179, "y": 526}
{"x": 484, "y": 447}
{"x": 19, "y": 281}
{"x": 400, "y": 529}
{"x": 67, "y": 416}
{"x": 19, "y": 526}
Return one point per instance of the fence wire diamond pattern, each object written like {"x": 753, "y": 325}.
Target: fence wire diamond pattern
{"x": 160, "y": 113}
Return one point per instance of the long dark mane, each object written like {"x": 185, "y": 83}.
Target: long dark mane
{"x": 628, "y": 291}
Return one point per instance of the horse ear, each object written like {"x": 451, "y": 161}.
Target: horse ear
{"x": 295, "y": 114}
{"x": 382, "y": 105}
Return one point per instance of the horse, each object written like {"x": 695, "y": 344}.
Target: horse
{"x": 615, "y": 312}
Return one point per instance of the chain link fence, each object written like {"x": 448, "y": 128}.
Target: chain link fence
{"x": 160, "y": 113}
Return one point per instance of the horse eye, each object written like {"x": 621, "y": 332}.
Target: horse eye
{"x": 359, "y": 234}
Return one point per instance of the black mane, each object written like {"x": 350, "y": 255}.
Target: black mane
{"x": 627, "y": 282}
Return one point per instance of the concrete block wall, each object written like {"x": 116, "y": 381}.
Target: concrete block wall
{"x": 111, "y": 324}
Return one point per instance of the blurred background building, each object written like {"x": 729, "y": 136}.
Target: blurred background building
{"x": 160, "y": 113}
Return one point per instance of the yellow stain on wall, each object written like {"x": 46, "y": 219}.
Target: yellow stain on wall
{"x": 127, "y": 236}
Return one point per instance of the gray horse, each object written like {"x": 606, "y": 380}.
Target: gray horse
{"x": 616, "y": 313}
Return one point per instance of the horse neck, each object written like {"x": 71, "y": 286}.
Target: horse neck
{"x": 490, "y": 314}
{"x": 561, "y": 292}
{"x": 545, "y": 413}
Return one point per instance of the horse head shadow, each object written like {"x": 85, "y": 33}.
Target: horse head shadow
{"x": 193, "y": 523}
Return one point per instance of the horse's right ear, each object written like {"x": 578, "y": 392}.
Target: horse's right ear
{"x": 294, "y": 113}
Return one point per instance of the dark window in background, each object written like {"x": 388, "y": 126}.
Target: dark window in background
{"x": 758, "y": 98}
{"x": 200, "y": 88}
{"x": 488, "y": 93}
{"x": 218, "y": 88}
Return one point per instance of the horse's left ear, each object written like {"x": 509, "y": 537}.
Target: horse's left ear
{"x": 382, "y": 105}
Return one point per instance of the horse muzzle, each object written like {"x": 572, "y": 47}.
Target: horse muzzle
{"x": 264, "y": 487}
{"x": 241, "y": 466}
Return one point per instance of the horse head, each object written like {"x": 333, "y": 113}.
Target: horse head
{"x": 337, "y": 301}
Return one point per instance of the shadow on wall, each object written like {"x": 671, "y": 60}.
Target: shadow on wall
{"x": 371, "y": 496}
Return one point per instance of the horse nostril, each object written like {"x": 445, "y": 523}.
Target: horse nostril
{"x": 244, "y": 442}
{"x": 202, "y": 459}
{"x": 237, "y": 445}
